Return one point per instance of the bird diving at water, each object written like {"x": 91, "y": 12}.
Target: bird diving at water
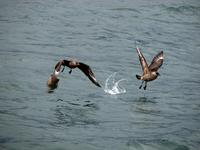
{"x": 52, "y": 82}
{"x": 72, "y": 64}
{"x": 150, "y": 72}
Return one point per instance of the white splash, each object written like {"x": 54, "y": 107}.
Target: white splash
{"x": 112, "y": 87}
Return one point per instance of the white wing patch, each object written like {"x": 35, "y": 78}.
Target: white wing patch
{"x": 94, "y": 78}
{"x": 138, "y": 50}
{"x": 161, "y": 57}
{"x": 56, "y": 72}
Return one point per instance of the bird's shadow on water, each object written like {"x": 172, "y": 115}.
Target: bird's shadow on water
{"x": 75, "y": 112}
{"x": 145, "y": 105}
{"x": 51, "y": 90}
{"x": 145, "y": 99}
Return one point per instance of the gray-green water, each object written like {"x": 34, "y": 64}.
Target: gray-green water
{"x": 34, "y": 35}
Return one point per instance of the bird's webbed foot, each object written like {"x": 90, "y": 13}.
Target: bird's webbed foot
{"x": 141, "y": 85}
{"x": 63, "y": 69}
{"x": 145, "y": 87}
{"x": 70, "y": 71}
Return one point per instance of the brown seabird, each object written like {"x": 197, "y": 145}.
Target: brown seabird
{"x": 149, "y": 72}
{"x": 72, "y": 63}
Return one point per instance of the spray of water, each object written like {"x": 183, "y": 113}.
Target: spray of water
{"x": 112, "y": 87}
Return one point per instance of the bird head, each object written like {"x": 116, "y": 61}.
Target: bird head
{"x": 158, "y": 74}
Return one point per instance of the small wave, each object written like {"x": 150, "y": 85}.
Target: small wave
{"x": 126, "y": 9}
{"x": 112, "y": 86}
{"x": 187, "y": 10}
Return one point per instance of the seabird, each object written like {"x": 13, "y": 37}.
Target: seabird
{"x": 72, "y": 63}
{"x": 52, "y": 82}
{"x": 149, "y": 72}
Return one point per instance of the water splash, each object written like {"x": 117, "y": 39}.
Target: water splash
{"x": 112, "y": 86}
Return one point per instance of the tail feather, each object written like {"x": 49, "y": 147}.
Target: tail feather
{"x": 138, "y": 77}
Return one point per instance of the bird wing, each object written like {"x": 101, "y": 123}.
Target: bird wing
{"x": 88, "y": 72}
{"x": 143, "y": 62}
{"x": 156, "y": 62}
{"x": 60, "y": 64}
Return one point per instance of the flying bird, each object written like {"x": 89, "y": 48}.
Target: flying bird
{"x": 72, "y": 64}
{"x": 150, "y": 72}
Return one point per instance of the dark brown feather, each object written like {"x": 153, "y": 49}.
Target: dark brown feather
{"x": 156, "y": 62}
{"x": 88, "y": 72}
{"x": 66, "y": 63}
{"x": 143, "y": 62}
{"x": 60, "y": 64}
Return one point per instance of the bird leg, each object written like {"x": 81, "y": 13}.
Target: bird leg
{"x": 145, "y": 85}
{"x": 63, "y": 69}
{"x": 70, "y": 71}
{"x": 141, "y": 85}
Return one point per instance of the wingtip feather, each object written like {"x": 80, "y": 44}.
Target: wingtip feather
{"x": 97, "y": 84}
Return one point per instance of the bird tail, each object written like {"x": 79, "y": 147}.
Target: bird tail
{"x": 138, "y": 77}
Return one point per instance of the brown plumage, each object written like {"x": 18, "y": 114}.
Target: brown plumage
{"x": 52, "y": 82}
{"x": 150, "y": 72}
{"x": 72, "y": 63}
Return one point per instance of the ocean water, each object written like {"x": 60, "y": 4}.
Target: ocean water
{"x": 35, "y": 35}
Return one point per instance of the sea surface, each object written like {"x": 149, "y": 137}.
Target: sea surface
{"x": 36, "y": 34}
